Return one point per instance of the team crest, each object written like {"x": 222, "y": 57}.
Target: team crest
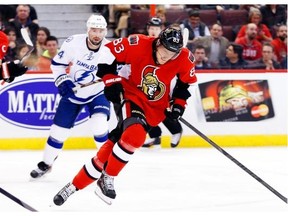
{"x": 89, "y": 56}
{"x": 150, "y": 84}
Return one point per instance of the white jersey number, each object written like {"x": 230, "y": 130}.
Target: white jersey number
{"x": 118, "y": 47}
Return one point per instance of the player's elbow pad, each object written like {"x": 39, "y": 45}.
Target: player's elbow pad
{"x": 181, "y": 90}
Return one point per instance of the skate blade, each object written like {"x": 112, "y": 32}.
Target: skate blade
{"x": 106, "y": 199}
{"x": 40, "y": 178}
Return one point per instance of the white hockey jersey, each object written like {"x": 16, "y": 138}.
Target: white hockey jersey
{"x": 83, "y": 66}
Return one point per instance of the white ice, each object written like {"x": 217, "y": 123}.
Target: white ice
{"x": 192, "y": 181}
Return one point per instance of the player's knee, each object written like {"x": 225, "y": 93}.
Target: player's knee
{"x": 134, "y": 135}
{"x": 59, "y": 133}
{"x": 99, "y": 125}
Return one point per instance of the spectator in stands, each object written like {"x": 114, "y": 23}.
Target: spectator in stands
{"x": 280, "y": 43}
{"x": 118, "y": 19}
{"x": 215, "y": 45}
{"x": 233, "y": 58}
{"x": 11, "y": 52}
{"x": 32, "y": 15}
{"x": 263, "y": 32}
{"x": 201, "y": 61}
{"x": 22, "y": 20}
{"x": 273, "y": 15}
{"x": 161, "y": 14}
{"x": 195, "y": 26}
{"x": 42, "y": 34}
{"x": 266, "y": 62}
{"x": 252, "y": 48}
{"x": 44, "y": 61}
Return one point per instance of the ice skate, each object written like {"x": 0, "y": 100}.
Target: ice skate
{"x": 105, "y": 188}
{"x": 155, "y": 142}
{"x": 64, "y": 193}
{"x": 42, "y": 169}
{"x": 175, "y": 139}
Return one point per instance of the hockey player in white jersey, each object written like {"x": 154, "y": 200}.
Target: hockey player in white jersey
{"x": 81, "y": 55}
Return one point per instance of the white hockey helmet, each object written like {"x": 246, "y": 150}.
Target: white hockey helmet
{"x": 96, "y": 21}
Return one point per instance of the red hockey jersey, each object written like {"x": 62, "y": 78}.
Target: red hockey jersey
{"x": 3, "y": 44}
{"x": 148, "y": 85}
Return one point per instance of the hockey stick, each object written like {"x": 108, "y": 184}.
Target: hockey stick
{"x": 234, "y": 160}
{"x": 75, "y": 89}
{"x": 18, "y": 201}
{"x": 26, "y": 37}
{"x": 28, "y": 41}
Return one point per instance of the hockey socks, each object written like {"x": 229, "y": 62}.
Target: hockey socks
{"x": 89, "y": 173}
{"x": 132, "y": 138}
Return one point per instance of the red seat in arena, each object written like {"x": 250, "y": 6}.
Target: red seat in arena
{"x": 209, "y": 17}
{"x": 228, "y": 32}
{"x": 176, "y": 16}
{"x": 233, "y": 17}
{"x": 138, "y": 20}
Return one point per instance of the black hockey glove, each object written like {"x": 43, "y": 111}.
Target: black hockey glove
{"x": 10, "y": 70}
{"x": 175, "y": 112}
{"x": 113, "y": 88}
{"x": 65, "y": 86}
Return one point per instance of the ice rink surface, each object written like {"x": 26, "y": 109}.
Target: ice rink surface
{"x": 195, "y": 181}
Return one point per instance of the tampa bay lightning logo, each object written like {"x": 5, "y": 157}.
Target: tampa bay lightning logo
{"x": 83, "y": 77}
{"x": 90, "y": 56}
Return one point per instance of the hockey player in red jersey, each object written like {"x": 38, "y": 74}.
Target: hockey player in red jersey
{"x": 145, "y": 91}
{"x": 8, "y": 70}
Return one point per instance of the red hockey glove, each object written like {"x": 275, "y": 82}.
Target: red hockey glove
{"x": 10, "y": 70}
{"x": 113, "y": 88}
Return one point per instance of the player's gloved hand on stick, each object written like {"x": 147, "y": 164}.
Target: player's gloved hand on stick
{"x": 65, "y": 86}
{"x": 13, "y": 69}
{"x": 175, "y": 112}
{"x": 113, "y": 88}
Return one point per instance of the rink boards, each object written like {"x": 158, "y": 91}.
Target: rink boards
{"x": 29, "y": 103}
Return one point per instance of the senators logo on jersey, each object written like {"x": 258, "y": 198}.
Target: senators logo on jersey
{"x": 152, "y": 87}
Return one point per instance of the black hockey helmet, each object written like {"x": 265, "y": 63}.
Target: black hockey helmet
{"x": 154, "y": 21}
{"x": 171, "y": 39}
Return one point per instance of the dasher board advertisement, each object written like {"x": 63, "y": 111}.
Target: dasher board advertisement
{"x": 32, "y": 104}
{"x": 236, "y": 100}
